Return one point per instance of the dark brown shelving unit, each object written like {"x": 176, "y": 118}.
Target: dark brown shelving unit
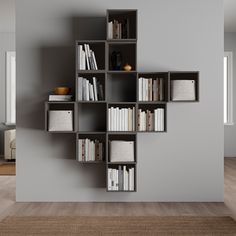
{"x": 121, "y": 89}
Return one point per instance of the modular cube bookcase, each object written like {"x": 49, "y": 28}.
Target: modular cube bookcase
{"x": 121, "y": 90}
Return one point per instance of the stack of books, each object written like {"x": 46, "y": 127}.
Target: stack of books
{"x": 151, "y": 121}
{"x": 89, "y": 91}
{"x": 90, "y": 150}
{"x": 121, "y": 178}
{"x": 118, "y": 30}
{"x": 121, "y": 119}
{"x": 86, "y": 58}
{"x": 151, "y": 89}
{"x": 60, "y": 98}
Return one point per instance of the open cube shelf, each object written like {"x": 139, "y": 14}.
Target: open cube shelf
{"x": 129, "y": 103}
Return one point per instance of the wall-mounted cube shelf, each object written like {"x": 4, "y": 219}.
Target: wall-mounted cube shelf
{"x": 113, "y": 105}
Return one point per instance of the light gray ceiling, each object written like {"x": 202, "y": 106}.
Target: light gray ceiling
{"x": 7, "y": 15}
{"x": 230, "y": 15}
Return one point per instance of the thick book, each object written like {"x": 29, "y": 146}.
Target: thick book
{"x": 121, "y": 151}
{"x": 60, "y": 98}
{"x": 182, "y": 90}
{"x": 60, "y": 120}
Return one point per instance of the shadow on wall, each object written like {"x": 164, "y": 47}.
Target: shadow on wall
{"x": 56, "y": 67}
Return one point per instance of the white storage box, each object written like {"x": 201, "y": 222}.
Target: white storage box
{"x": 60, "y": 120}
{"x": 121, "y": 151}
{"x": 182, "y": 90}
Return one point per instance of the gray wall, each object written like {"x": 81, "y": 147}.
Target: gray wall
{"x": 185, "y": 164}
{"x": 230, "y": 130}
{"x": 7, "y": 43}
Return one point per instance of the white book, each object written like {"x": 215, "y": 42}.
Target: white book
{"x": 80, "y": 88}
{"x": 94, "y": 60}
{"x": 158, "y": 120}
{"x": 120, "y": 119}
{"x": 144, "y": 121}
{"x": 123, "y": 119}
{"x": 146, "y": 89}
{"x": 110, "y": 30}
{"x": 117, "y": 119}
{"x": 113, "y": 179}
{"x": 80, "y": 150}
{"x": 162, "y": 119}
{"x": 140, "y": 86}
{"x": 150, "y": 89}
{"x": 92, "y": 65}
{"x": 87, "y": 57}
{"x": 155, "y": 120}
{"x": 124, "y": 177}
{"x": 91, "y": 93}
{"x": 95, "y": 88}
{"x": 109, "y": 119}
{"x": 83, "y": 60}
{"x": 87, "y": 90}
{"x": 60, "y": 97}
{"x": 79, "y": 49}
{"x": 112, "y": 119}
{"x": 130, "y": 179}
{"x": 109, "y": 179}
{"x": 60, "y": 120}
{"x": 126, "y": 180}
{"x": 117, "y": 180}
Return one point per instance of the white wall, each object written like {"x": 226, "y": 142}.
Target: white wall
{"x": 230, "y": 130}
{"x": 185, "y": 164}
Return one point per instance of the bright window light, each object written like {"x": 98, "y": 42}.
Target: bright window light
{"x": 10, "y": 88}
{"x": 228, "y": 88}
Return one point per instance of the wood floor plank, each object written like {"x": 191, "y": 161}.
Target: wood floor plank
{"x": 8, "y": 207}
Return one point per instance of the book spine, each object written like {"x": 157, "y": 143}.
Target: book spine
{"x": 79, "y": 56}
{"x": 95, "y": 89}
{"x": 109, "y": 179}
{"x": 86, "y": 56}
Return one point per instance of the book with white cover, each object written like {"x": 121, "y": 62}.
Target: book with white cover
{"x": 182, "y": 90}
{"x": 121, "y": 151}
{"x": 60, "y": 120}
{"x": 60, "y": 98}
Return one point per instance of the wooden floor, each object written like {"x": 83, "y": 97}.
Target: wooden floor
{"x": 9, "y": 207}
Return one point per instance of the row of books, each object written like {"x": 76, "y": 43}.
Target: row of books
{"x": 60, "y": 98}
{"x": 151, "y": 121}
{"x": 121, "y": 119}
{"x": 121, "y": 178}
{"x": 151, "y": 89}
{"x": 90, "y": 150}
{"x": 89, "y": 91}
{"x": 118, "y": 29}
{"x": 86, "y": 58}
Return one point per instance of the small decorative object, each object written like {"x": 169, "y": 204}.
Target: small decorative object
{"x": 61, "y": 90}
{"x": 116, "y": 60}
{"x": 127, "y": 67}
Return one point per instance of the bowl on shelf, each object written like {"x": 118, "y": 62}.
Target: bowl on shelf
{"x": 61, "y": 90}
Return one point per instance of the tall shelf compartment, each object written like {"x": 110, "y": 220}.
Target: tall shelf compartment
{"x": 121, "y": 90}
